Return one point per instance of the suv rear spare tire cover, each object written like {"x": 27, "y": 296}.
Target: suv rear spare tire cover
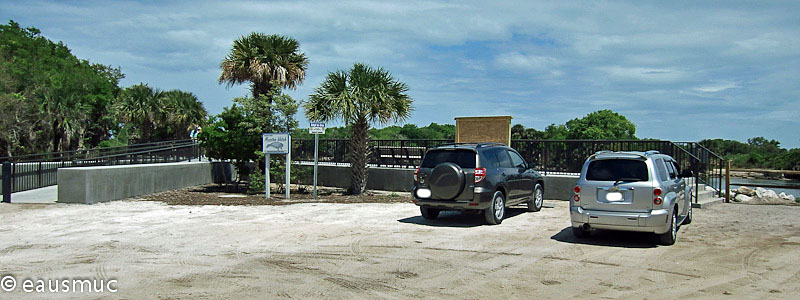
{"x": 447, "y": 181}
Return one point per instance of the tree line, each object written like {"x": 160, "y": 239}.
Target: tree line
{"x": 50, "y": 100}
{"x": 757, "y": 152}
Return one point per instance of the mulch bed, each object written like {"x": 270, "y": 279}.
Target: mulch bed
{"x": 213, "y": 194}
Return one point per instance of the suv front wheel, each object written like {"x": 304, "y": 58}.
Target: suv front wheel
{"x": 497, "y": 210}
{"x": 537, "y": 198}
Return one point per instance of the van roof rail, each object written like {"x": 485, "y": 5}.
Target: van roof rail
{"x": 637, "y": 153}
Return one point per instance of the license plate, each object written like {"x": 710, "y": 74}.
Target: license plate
{"x": 614, "y": 196}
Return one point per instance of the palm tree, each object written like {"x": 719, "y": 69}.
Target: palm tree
{"x": 359, "y": 97}
{"x": 184, "y": 110}
{"x": 140, "y": 106}
{"x": 261, "y": 59}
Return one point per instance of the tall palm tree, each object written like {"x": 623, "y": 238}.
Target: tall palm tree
{"x": 183, "y": 110}
{"x": 140, "y": 106}
{"x": 360, "y": 96}
{"x": 261, "y": 59}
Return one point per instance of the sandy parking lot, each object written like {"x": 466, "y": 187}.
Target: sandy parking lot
{"x": 388, "y": 251}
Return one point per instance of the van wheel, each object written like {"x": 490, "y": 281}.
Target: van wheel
{"x": 688, "y": 219}
{"x": 497, "y": 210}
{"x": 669, "y": 237}
{"x": 579, "y": 232}
{"x": 429, "y": 213}
{"x": 535, "y": 203}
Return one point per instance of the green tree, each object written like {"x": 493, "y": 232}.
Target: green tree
{"x": 183, "y": 111}
{"x": 601, "y": 125}
{"x": 227, "y": 138}
{"x": 140, "y": 107}
{"x": 360, "y": 96}
{"x": 71, "y": 96}
{"x": 556, "y": 132}
{"x": 264, "y": 61}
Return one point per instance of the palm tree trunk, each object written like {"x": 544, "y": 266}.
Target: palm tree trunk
{"x": 262, "y": 88}
{"x": 56, "y": 135}
{"x": 359, "y": 154}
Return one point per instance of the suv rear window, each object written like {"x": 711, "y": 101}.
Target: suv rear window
{"x": 463, "y": 158}
{"x": 617, "y": 169}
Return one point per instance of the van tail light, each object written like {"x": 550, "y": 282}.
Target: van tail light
{"x": 577, "y": 189}
{"x": 480, "y": 174}
{"x": 657, "y": 193}
{"x": 416, "y": 175}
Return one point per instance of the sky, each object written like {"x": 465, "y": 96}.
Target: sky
{"x": 680, "y": 70}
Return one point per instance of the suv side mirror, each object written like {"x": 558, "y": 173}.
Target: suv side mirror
{"x": 686, "y": 174}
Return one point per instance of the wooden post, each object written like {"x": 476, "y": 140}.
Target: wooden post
{"x": 728, "y": 182}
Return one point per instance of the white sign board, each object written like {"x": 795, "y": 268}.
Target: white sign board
{"x": 275, "y": 143}
{"x": 316, "y": 128}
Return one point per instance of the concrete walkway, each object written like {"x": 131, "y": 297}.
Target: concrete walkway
{"x": 41, "y": 195}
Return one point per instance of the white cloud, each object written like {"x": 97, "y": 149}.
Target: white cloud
{"x": 716, "y": 87}
{"x": 646, "y": 75}
{"x": 528, "y": 63}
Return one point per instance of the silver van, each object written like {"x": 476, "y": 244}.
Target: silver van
{"x": 631, "y": 191}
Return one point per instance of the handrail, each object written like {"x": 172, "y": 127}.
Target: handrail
{"x": 60, "y": 155}
{"x": 140, "y": 152}
{"x": 709, "y": 151}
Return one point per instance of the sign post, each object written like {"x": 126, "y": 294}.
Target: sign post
{"x": 316, "y": 128}
{"x": 276, "y": 143}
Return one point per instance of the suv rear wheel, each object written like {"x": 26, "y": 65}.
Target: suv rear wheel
{"x": 429, "y": 213}
{"x": 497, "y": 210}
{"x": 537, "y": 198}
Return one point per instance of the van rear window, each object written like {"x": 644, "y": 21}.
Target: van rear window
{"x": 617, "y": 170}
{"x": 463, "y": 158}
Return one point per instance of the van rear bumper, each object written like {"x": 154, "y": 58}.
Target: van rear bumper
{"x": 655, "y": 221}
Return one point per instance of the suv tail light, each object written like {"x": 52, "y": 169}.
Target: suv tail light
{"x": 577, "y": 189}
{"x": 657, "y": 191}
{"x": 658, "y": 201}
{"x": 480, "y": 174}
{"x": 416, "y": 175}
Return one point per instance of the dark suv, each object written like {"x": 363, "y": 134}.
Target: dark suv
{"x": 475, "y": 177}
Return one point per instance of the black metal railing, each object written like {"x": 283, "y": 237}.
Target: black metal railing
{"x": 93, "y": 152}
{"x": 39, "y": 170}
{"x": 552, "y": 157}
{"x": 384, "y": 153}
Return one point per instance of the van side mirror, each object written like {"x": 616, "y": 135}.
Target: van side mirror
{"x": 686, "y": 174}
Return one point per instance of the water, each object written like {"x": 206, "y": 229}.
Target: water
{"x": 737, "y": 182}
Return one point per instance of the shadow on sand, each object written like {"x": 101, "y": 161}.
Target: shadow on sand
{"x": 610, "y": 238}
{"x": 458, "y": 219}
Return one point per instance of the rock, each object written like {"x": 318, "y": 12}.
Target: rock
{"x": 746, "y": 191}
{"x": 767, "y": 196}
{"x": 742, "y": 198}
{"x": 786, "y": 196}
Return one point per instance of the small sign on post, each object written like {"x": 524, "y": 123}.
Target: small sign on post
{"x": 276, "y": 143}
{"x": 316, "y": 128}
